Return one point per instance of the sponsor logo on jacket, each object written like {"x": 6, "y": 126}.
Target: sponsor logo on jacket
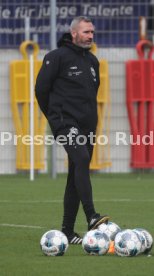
{"x": 74, "y": 73}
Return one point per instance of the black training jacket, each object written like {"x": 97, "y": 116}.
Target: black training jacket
{"x": 66, "y": 86}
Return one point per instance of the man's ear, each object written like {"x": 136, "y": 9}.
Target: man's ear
{"x": 73, "y": 34}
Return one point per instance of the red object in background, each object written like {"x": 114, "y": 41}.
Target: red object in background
{"x": 140, "y": 105}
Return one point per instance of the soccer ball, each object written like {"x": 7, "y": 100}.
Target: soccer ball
{"x": 127, "y": 243}
{"x": 110, "y": 229}
{"x": 144, "y": 234}
{"x": 54, "y": 243}
{"x": 142, "y": 239}
{"x": 95, "y": 242}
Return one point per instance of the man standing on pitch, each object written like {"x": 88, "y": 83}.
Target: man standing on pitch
{"x": 66, "y": 90}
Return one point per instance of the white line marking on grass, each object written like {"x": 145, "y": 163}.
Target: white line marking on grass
{"x": 20, "y": 226}
{"x": 124, "y": 200}
{"x": 60, "y": 201}
{"x": 32, "y": 201}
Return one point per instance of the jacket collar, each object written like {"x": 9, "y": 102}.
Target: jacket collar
{"x": 77, "y": 48}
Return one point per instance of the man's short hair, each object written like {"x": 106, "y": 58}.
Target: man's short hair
{"x": 77, "y": 20}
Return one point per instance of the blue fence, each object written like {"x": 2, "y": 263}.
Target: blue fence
{"x": 116, "y": 21}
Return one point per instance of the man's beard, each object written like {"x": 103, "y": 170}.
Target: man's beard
{"x": 84, "y": 45}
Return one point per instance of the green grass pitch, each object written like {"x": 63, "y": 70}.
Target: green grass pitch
{"x": 28, "y": 209}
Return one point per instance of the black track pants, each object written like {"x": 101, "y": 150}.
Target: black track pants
{"x": 78, "y": 186}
